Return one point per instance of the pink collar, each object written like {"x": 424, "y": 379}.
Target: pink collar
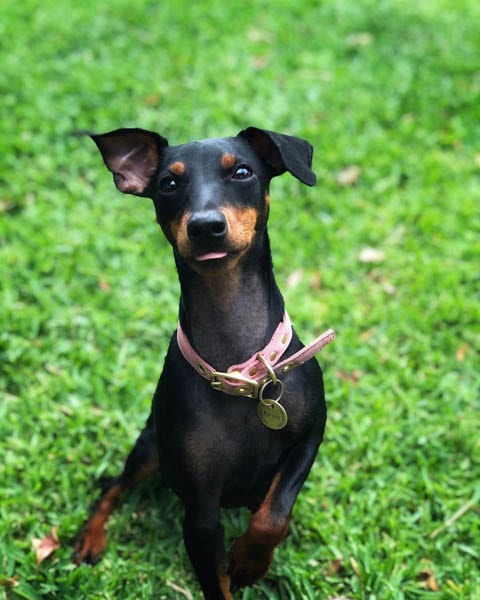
{"x": 246, "y": 378}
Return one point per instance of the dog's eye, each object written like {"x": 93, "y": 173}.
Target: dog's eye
{"x": 168, "y": 185}
{"x": 242, "y": 172}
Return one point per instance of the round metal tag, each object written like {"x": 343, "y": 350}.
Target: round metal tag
{"x": 272, "y": 414}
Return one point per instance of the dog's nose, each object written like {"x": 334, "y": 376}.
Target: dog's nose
{"x": 210, "y": 225}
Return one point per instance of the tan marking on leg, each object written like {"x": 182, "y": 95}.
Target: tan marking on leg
{"x": 93, "y": 537}
{"x": 224, "y": 582}
{"x": 252, "y": 553}
{"x": 177, "y": 168}
{"x": 228, "y": 161}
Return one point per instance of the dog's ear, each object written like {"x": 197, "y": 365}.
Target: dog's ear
{"x": 132, "y": 155}
{"x": 282, "y": 153}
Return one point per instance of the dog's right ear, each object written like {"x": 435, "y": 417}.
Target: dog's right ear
{"x": 132, "y": 155}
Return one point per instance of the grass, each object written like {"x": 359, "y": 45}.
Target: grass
{"x": 89, "y": 296}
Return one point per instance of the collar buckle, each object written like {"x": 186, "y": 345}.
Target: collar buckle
{"x": 234, "y": 383}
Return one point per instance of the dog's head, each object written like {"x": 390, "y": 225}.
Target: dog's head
{"x": 211, "y": 197}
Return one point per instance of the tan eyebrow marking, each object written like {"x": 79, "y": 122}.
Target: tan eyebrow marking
{"x": 177, "y": 168}
{"x": 228, "y": 160}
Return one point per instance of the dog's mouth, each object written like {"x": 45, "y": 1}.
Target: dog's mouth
{"x": 209, "y": 256}
{"x": 206, "y": 260}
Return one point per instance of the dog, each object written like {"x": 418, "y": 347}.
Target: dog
{"x": 239, "y": 410}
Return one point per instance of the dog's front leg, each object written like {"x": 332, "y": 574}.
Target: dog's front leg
{"x": 252, "y": 553}
{"x": 204, "y": 541}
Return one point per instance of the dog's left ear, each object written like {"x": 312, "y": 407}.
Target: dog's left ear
{"x": 282, "y": 153}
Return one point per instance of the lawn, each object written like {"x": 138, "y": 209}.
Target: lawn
{"x": 385, "y": 249}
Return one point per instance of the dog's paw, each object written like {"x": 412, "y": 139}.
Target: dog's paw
{"x": 90, "y": 544}
{"x": 247, "y": 565}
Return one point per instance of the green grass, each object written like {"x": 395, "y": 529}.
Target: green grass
{"x": 88, "y": 290}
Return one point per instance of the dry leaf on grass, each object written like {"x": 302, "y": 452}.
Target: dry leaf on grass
{"x": 359, "y": 39}
{"x": 9, "y": 582}
{"x": 335, "y": 566}
{"x": 367, "y": 334}
{"x": 315, "y": 281}
{"x": 388, "y": 288}
{"x": 152, "y": 100}
{"x": 260, "y": 62}
{"x": 187, "y": 593}
{"x": 53, "y": 370}
{"x": 371, "y": 255}
{"x": 352, "y": 376}
{"x": 462, "y": 352}
{"x": 294, "y": 279}
{"x": 348, "y": 176}
{"x": 458, "y": 515}
{"x": 103, "y": 284}
{"x": 355, "y": 567}
{"x": 428, "y": 581}
{"x": 259, "y": 35}
{"x": 44, "y": 547}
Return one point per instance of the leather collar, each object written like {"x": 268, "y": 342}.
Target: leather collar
{"x": 245, "y": 379}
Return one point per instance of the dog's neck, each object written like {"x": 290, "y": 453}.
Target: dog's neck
{"x": 228, "y": 316}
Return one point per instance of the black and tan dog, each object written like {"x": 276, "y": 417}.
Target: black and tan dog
{"x": 239, "y": 410}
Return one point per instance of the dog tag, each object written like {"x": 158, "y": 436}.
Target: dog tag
{"x": 270, "y": 412}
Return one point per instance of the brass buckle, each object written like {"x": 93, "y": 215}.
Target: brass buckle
{"x": 268, "y": 366}
{"x": 249, "y": 389}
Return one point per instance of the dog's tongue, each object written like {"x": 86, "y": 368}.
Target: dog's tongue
{"x": 210, "y": 256}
